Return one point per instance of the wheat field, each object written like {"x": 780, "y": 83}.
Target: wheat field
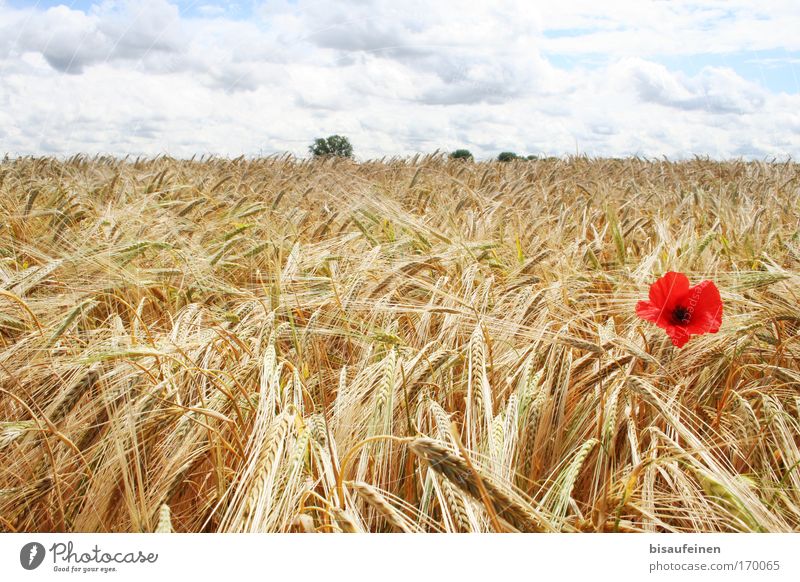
{"x": 402, "y": 345}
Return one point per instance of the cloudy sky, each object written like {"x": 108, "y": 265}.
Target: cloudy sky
{"x": 650, "y": 78}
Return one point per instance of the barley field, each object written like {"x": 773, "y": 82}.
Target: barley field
{"x": 402, "y": 345}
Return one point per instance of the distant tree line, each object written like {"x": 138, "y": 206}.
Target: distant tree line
{"x": 501, "y": 157}
{"x": 339, "y": 146}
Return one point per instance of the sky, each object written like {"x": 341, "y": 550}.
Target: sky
{"x": 648, "y": 78}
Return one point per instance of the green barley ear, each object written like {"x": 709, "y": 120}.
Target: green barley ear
{"x": 707, "y": 240}
{"x": 744, "y": 519}
{"x": 616, "y": 234}
{"x": 560, "y": 494}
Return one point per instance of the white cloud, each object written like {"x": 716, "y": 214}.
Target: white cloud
{"x": 72, "y": 39}
{"x": 139, "y": 77}
{"x": 648, "y": 28}
{"x": 715, "y": 90}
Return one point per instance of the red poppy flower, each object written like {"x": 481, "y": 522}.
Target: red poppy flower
{"x": 680, "y": 310}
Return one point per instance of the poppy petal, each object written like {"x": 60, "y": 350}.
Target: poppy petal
{"x": 646, "y": 310}
{"x": 668, "y": 290}
{"x": 706, "y": 305}
{"x": 678, "y": 334}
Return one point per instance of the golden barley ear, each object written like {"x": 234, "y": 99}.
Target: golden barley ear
{"x": 508, "y": 505}
{"x": 164, "y": 520}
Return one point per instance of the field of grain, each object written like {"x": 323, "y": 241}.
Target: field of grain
{"x": 399, "y": 345}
